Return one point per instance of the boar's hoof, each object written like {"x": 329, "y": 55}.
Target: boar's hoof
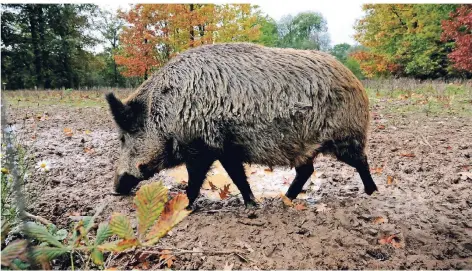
{"x": 125, "y": 183}
{"x": 251, "y": 204}
{"x": 191, "y": 207}
{"x": 369, "y": 190}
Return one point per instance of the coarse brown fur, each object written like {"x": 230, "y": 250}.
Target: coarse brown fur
{"x": 271, "y": 106}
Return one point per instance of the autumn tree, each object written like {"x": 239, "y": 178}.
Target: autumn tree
{"x": 157, "y": 32}
{"x": 459, "y": 30}
{"x": 403, "y": 39}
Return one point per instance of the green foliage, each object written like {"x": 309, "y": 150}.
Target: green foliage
{"x": 342, "y": 53}
{"x": 404, "y": 39}
{"x": 156, "y": 216}
{"x": 149, "y": 201}
{"x": 307, "y": 30}
{"x": 355, "y": 67}
{"x": 52, "y": 46}
{"x": 269, "y": 31}
{"x": 121, "y": 226}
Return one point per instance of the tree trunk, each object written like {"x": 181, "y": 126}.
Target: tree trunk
{"x": 34, "y": 11}
{"x": 115, "y": 68}
{"x": 192, "y": 34}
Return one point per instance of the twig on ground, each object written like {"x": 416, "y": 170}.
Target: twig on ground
{"x": 252, "y": 223}
{"x": 38, "y": 218}
{"x": 216, "y": 211}
{"x": 183, "y": 251}
{"x": 426, "y": 141}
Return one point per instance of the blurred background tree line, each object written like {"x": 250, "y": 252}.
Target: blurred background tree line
{"x": 49, "y": 46}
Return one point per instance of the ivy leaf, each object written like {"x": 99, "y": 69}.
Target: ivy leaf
{"x": 121, "y": 226}
{"x": 14, "y": 250}
{"x": 41, "y": 233}
{"x": 174, "y": 212}
{"x": 119, "y": 245}
{"x": 150, "y": 200}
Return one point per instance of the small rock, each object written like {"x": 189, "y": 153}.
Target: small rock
{"x": 372, "y": 232}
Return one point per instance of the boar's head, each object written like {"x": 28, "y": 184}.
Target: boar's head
{"x": 140, "y": 148}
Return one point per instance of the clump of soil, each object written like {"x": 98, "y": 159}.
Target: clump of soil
{"x": 420, "y": 218}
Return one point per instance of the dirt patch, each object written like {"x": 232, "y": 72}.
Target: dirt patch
{"x": 421, "y": 165}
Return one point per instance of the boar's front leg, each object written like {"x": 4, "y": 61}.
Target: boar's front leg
{"x": 235, "y": 170}
{"x": 197, "y": 170}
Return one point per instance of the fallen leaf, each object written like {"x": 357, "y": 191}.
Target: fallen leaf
{"x": 390, "y": 180}
{"x": 381, "y": 127}
{"x": 300, "y": 207}
{"x": 224, "y": 192}
{"x": 167, "y": 257}
{"x": 286, "y": 200}
{"x": 228, "y": 267}
{"x": 392, "y": 240}
{"x": 321, "y": 208}
{"x": 87, "y": 132}
{"x": 145, "y": 265}
{"x": 407, "y": 154}
{"x": 286, "y": 181}
{"x": 212, "y": 186}
{"x": 89, "y": 150}
{"x": 379, "y": 220}
{"x": 268, "y": 169}
{"x": 377, "y": 170}
{"x": 68, "y": 132}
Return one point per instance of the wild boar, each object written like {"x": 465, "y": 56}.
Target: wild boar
{"x": 242, "y": 103}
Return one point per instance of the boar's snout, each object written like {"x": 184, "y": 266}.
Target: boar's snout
{"x": 125, "y": 182}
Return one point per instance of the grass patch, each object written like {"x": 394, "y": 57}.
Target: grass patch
{"x": 74, "y": 98}
{"x": 431, "y": 100}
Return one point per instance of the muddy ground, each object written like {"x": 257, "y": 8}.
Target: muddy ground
{"x": 421, "y": 164}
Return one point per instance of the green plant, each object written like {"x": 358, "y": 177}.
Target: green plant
{"x": 155, "y": 214}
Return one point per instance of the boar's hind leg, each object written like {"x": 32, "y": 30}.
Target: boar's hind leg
{"x": 303, "y": 174}
{"x": 352, "y": 153}
{"x": 197, "y": 170}
{"x": 235, "y": 170}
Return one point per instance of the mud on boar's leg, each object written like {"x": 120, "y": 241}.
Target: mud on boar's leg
{"x": 197, "y": 170}
{"x": 303, "y": 174}
{"x": 235, "y": 170}
{"x": 352, "y": 153}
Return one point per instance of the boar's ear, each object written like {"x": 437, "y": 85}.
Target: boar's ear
{"x": 125, "y": 115}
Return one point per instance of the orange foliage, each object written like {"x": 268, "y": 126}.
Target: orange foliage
{"x": 374, "y": 64}
{"x": 157, "y": 32}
